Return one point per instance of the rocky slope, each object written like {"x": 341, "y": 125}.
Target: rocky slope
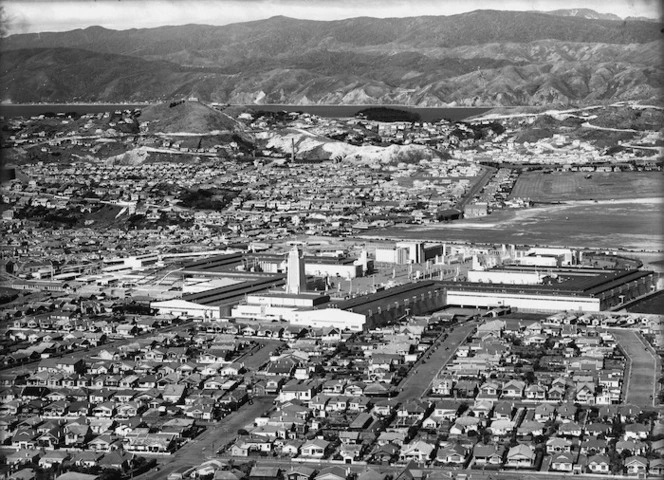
{"x": 322, "y": 148}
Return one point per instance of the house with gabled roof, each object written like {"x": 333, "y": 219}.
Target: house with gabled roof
{"x": 316, "y": 448}
{"x": 597, "y": 429}
{"x": 656, "y": 467}
{"x": 599, "y": 464}
{"x": 531, "y": 427}
{"x": 629, "y": 412}
{"x": 544, "y": 412}
{"x": 501, "y": 427}
{"x": 636, "y": 431}
{"x": 562, "y": 462}
{"x": 299, "y": 472}
{"x": 502, "y": 411}
{"x": 513, "y": 389}
{"x": 443, "y": 386}
{"x": 634, "y": 447}
{"x": 570, "y": 429}
{"x": 53, "y": 458}
{"x": 332, "y": 473}
{"x": 488, "y": 454}
{"x": 566, "y": 411}
{"x": 636, "y": 465}
{"x": 451, "y": 453}
{"x": 520, "y": 456}
{"x": 535, "y": 392}
{"x": 558, "y": 445}
{"x": 594, "y": 446}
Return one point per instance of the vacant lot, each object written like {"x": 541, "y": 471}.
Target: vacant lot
{"x": 562, "y": 186}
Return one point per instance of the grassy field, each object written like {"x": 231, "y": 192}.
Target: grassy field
{"x": 562, "y": 186}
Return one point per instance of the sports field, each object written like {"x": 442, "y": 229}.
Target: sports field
{"x": 564, "y": 186}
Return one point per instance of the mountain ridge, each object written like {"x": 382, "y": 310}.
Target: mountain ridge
{"x": 481, "y": 57}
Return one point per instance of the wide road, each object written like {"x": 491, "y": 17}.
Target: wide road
{"x": 204, "y": 446}
{"x": 641, "y": 371}
{"x": 419, "y": 379}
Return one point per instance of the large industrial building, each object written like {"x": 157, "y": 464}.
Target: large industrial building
{"x": 217, "y": 302}
{"x": 262, "y": 291}
{"x": 560, "y": 288}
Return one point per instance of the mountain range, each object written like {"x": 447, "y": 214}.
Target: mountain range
{"x": 478, "y": 58}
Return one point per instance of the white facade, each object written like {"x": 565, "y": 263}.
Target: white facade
{"x": 182, "y": 307}
{"x": 542, "y": 260}
{"x": 261, "y": 312}
{"x": 415, "y": 251}
{"x": 504, "y": 276}
{"x": 553, "y": 303}
{"x": 566, "y": 253}
{"x": 140, "y": 261}
{"x": 333, "y": 270}
{"x": 395, "y": 255}
{"x": 327, "y": 317}
{"x": 296, "y": 278}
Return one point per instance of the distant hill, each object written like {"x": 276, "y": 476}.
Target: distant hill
{"x": 186, "y": 116}
{"x": 584, "y": 13}
{"x": 477, "y": 58}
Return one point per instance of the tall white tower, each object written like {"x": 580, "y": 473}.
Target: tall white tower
{"x": 295, "y": 280}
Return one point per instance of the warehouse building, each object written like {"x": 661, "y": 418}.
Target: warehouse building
{"x": 562, "y": 288}
{"x": 217, "y": 302}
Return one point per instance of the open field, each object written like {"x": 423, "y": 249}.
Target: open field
{"x": 564, "y": 186}
{"x": 641, "y": 378}
{"x": 632, "y": 224}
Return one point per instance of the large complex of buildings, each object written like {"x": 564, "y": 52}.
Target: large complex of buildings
{"x": 549, "y": 286}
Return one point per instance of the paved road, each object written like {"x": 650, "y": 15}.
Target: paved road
{"x": 641, "y": 375}
{"x": 216, "y": 436}
{"x": 419, "y": 379}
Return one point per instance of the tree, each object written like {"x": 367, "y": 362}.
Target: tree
{"x": 111, "y": 474}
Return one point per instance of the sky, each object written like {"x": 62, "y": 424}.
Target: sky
{"x": 29, "y": 16}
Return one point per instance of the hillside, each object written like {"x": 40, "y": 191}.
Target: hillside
{"x": 323, "y": 148}
{"x": 477, "y": 58}
{"x": 188, "y": 116}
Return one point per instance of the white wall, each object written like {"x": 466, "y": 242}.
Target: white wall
{"x": 524, "y": 301}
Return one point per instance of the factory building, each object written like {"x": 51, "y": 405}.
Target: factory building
{"x": 217, "y": 302}
{"x": 402, "y": 253}
{"x": 320, "y": 266}
{"x": 561, "y": 288}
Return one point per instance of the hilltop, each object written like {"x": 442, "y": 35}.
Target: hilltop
{"x": 186, "y": 116}
{"x": 485, "y": 57}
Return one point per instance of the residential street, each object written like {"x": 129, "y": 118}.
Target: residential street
{"x": 418, "y": 381}
{"x": 203, "y": 447}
